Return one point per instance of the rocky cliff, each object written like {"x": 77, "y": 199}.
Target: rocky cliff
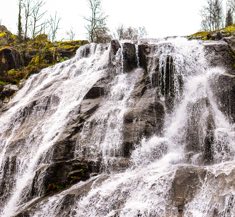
{"x": 124, "y": 129}
{"x": 19, "y": 59}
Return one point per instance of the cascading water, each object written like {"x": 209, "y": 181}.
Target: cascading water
{"x": 42, "y": 133}
{"x": 184, "y": 170}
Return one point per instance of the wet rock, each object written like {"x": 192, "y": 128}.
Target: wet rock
{"x": 115, "y": 46}
{"x": 216, "y": 36}
{"x": 67, "y": 202}
{"x": 196, "y": 128}
{"x": 231, "y": 42}
{"x": 9, "y": 59}
{"x": 224, "y": 90}
{"x": 129, "y": 57}
{"x": 95, "y": 92}
{"x": 144, "y": 51}
{"x": 23, "y": 214}
{"x": 89, "y": 106}
{"x": 143, "y": 120}
{"x": 219, "y": 54}
{"x": 85, "y": 51}
{"x": 186, "y": 183}
{"x": 64, "y": 148}
{"x": 7, "y": 91}
{"x": 61, "y": 175}
{"x": 66, "y": 163}
{"x": 8, "y": 171}
{"x": 209, "y": 140}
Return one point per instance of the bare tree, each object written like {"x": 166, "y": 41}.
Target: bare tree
{"x": 130, "y": 33}
{"x": 71, "y": 34}
{"x": 37, "y": 22}
{"x": 229, "y": 17}
{"x": 27, "y": 13}
{"x": 32, "y": 13}
{"x": 212, "y": 15}
{"x": 120, "y": 32}
{"x": 53, "y": 24}
{"x": 142, "y": 32}
{"x": 96, "y": 27}
{"x": 231, "y": 5}
{"x": 19, "y": 24}
{"x": 102, "y": 35}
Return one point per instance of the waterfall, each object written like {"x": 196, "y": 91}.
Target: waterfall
{"x": 92, "y": 109}
{"x": 42, "y": 133}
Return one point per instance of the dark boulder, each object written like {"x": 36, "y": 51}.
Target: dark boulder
{"x": 224, "y": 90}
{"x": 129, "y": 57}
{"x": 7, "y": 91}
{"x": 61, "y": 175}
{"x": 9, "y": 59}
{"x": 231, "y": 42}
{"x": 144, "y": 51}
{"x": 115, "y": 46}
{"x": 95, "y": 92}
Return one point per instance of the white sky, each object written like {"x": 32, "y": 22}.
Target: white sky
{"x": 160, "y": 17}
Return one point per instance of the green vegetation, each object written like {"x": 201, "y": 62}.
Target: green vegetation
{"x": 32, "y": 55}
{"x": 229, "y": 29}
{"x": 225, "y": 32}
{"x": 200, "y": 35}
{"x": 3, "y": 34}
{"x": 2, "y": 82}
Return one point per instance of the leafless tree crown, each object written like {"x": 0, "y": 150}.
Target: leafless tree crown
{"x": 212, "y": 14}
{"x": 96, "y": 23}
{"x": 130, "y": 33}
{"x": 71, "y": 34}
{"x": 54, "y": 25}
{"x": 31, "y": 18}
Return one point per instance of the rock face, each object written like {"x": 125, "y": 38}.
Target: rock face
{"x": 6, "y": 92}
{"x": 73, "y": 129}
{"x": 19, "y": 59}
{"x": 9, "y": 59}
{"x": 129, "y": 57}
{"x": 186, "y": 182}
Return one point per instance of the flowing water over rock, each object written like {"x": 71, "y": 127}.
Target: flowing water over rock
{"x": 123, "y": 130}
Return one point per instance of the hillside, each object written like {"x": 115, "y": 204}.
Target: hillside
{"x": 20, "y": 59}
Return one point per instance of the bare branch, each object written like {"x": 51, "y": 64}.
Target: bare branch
{"x": 37, "y": 18}
{"x": 27, "y": 7}
{"x": 71, "y": 34}
{"x": 54, "y": 23}
{"x": 96, "y": 27}
{"x": 19, "y": 24}
{"x": 212, "y": 15}
{"x": 130, "y": 33}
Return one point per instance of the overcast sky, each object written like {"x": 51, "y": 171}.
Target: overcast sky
{"x": 160, "y": 17}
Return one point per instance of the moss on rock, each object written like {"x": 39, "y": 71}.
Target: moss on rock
{"x": 36, "y": 54}
{"x": 19, "y": 59}
{"x": 214, "y": 35}
{"x": 200, "y": 35}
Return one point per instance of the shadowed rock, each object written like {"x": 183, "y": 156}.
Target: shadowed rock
{"x": 9, "y": 59}
{"x": 129, "y": 57}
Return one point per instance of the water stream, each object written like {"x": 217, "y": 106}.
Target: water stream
{"x": 196, "y": 135}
